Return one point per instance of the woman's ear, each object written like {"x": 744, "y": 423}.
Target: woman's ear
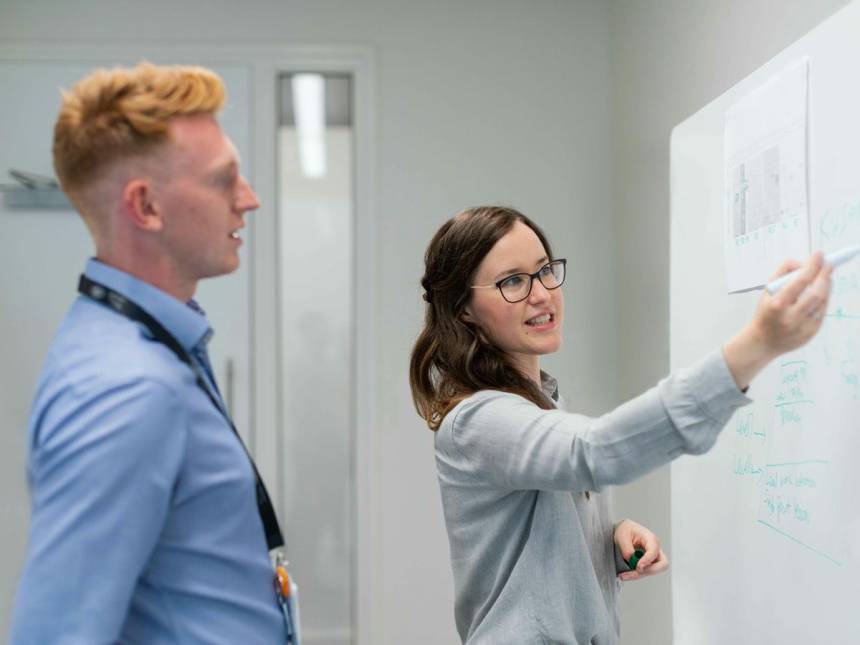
{"x": 467, "y": 316}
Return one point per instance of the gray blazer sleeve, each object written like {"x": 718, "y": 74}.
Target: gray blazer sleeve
{"x": 504, "y": 440}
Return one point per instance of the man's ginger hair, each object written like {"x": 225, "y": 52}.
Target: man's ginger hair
{"x": 125, "y": 112}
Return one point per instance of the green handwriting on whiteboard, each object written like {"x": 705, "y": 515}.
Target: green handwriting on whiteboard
{"x": 803, "y": 544}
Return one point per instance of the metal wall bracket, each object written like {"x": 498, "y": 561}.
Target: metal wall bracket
{"x": 34, "y": 192}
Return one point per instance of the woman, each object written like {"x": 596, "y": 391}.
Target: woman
{"x": 535, "y": 552}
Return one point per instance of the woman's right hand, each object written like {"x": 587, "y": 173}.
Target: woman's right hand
{"x": 783, "y": 321}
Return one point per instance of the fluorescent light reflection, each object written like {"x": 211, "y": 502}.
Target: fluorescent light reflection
{"x": 309, "y": 110}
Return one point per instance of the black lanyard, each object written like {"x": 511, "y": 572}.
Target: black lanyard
{"x": 123, "y": 306}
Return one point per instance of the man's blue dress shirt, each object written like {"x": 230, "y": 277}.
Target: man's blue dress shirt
{"x": 144, "y": 525}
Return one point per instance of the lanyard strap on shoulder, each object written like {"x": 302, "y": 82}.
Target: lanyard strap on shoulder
{"x": 131, "y": 310}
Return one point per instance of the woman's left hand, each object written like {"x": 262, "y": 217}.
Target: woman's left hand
{"x": 630, "y": 536}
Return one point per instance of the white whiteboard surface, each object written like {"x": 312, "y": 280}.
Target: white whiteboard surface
{"x": 766, "y": 527}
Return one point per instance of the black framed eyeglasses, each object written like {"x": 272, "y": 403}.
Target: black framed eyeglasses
{"x": 518, "y": 286}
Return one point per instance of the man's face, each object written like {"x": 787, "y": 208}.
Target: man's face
{"x": 203, "y": 199}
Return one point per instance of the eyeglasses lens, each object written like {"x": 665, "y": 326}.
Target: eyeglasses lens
{"x": 518, "y": 286}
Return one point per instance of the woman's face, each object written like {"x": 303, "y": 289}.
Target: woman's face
{"x": 526, "y": 329}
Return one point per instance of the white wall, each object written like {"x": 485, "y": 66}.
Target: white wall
{"x": 483, "y": 101}
{"x": 670, "y": 58}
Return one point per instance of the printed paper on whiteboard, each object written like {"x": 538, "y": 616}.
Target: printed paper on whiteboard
{"x": 766, "y": 218}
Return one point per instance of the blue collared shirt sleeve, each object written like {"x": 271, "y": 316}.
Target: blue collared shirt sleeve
{"x": 103, "y": 464}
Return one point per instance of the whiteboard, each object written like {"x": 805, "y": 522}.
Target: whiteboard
{"x": 766, "y": 527}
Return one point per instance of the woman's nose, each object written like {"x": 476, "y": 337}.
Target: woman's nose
{"x": 539, "y": 293}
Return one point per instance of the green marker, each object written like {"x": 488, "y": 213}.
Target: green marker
{"x": 634, "y": 559}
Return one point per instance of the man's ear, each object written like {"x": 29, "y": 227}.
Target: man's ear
{"x": 139, "y": 205}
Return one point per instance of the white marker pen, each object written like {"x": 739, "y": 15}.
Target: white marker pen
{"x": 834, "y": 259}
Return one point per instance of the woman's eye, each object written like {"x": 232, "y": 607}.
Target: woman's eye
{"x": 513, "y": 281}
{"x": 545, "y": 270}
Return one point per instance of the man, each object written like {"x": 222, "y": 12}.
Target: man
{"x": 145, "y": 523}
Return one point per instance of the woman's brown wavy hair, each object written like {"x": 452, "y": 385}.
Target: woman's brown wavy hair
{"x": 452, "y": 357}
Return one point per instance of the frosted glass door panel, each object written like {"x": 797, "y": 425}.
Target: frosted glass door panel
{"x": 316, "y": 259}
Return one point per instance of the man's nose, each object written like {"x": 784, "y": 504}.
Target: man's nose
{"x": 248, "y": 200}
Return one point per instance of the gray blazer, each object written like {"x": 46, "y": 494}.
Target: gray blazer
{"x": 533, "y": 556}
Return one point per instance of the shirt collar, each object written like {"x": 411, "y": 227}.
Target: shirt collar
{"x": 549, "y": 385}
{"x": 185, "y": 321}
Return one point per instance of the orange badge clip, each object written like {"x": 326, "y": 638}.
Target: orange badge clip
{"x": 283, "y": 581}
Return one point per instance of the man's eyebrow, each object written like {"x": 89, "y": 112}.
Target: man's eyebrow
{"x": 227, "y": 166}
{"x": 538, "y": 263}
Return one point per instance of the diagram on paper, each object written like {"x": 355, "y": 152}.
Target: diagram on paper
{"x": 766, "y": 214}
